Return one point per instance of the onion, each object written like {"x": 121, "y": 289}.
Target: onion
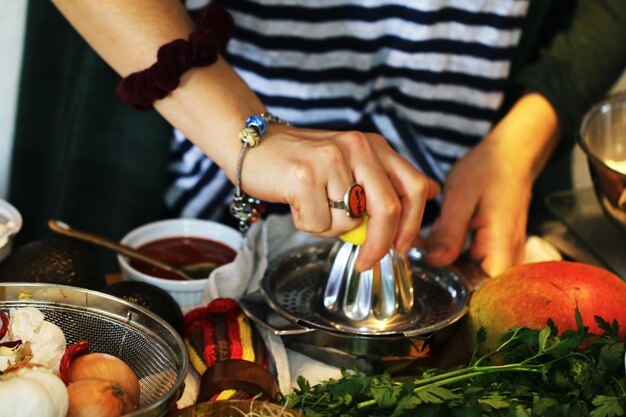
{"x": 108, "y": 368}
{"x": 97, "y": 398}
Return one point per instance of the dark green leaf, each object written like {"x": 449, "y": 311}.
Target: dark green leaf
{"x": 351, "y": 384}
{"x": 303, "y": 384}
{"x": 408, "y": 402}
{"x": 311, "y": 413}
{"x": 569, "y": 341}
{"x": 606, "y": 406}
{"x": 468, "y": 411}
{"x": 544, "y": 406}
{"x": 495, "y": 401}
{"x": 563, "y": 380}
{"x": 611, "y": 330}
{"x": 481, "y": 338}
{"x": 527, "y": 338}
{"x": 385, "y": 396}
{"x": 577, "y": 409}
{"x": 542, "y": 339}
{"x": 612, "y": 356}
{"x": 580, "y": 328}
{"x": 434, "y": 395}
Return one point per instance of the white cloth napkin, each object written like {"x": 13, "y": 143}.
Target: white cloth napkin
{"x": 265, "y": 240}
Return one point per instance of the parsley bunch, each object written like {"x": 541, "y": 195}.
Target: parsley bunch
{"x": 531, "y": 373}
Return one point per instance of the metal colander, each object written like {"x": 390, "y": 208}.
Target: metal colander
{"x": 149, "y": 345}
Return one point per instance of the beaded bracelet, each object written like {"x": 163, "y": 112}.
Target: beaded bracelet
{"x": 245, "y": 208}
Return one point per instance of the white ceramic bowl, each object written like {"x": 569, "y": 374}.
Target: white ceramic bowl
{"x": 8, "y": 213}
{"x": 186, "y": 293}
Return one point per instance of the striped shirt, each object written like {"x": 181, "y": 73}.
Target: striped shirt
{"x": 430, "y": 75}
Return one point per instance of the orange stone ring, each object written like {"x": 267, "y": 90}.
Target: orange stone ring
{"x": 353, "y": 201}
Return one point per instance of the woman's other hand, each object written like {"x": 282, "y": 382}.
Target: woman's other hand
{"x": 487, "y": 194}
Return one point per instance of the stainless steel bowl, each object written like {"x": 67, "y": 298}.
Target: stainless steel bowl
{"x": 149, "y": 345}
{"x": 602, "y": 137}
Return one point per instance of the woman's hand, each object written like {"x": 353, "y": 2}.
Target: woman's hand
{"x": 305, "y": 168}
{"x": 487, "y": 194}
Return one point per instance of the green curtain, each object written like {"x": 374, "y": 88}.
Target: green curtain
{"x": 79, "y": 154}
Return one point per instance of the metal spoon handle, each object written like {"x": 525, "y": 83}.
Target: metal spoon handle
{"x": 64, "y": 229}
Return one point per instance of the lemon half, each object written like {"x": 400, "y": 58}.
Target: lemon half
{"x": 357, "y": 235}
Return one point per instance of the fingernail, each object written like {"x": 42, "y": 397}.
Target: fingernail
{"x": 435, "y": 251}
{"x": 492, "y": 268}
{"x": 403, "y": 248}
{"x": 361, "y": 265}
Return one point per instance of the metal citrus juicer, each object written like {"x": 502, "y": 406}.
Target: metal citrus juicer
{"x": 376, "y": 320}
{"x": 371, "y": 301}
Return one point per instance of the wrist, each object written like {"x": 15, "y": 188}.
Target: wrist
{"x": 528, "y": 135}
{"x": 244, "y": 207}
{"x": 210, "y": 106}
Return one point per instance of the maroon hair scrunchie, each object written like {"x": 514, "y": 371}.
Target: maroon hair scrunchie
{"x": 214, "y": 28}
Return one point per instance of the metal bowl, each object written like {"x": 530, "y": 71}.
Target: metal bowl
{"x": 149, "y": 345}
{"x": 602, "y": 137}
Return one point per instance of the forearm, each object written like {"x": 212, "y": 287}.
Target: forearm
{"x": 528, "y": 134}
{"x": 210, "y": 107}
{"x": 581, "y": 61}
{"x": 125, "y": 33}
{"x": 211, "y": 103}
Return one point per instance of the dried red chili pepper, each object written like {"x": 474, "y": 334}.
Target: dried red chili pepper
{"x": 11, "y": 344}
{"x": 71, "y": 352}
{"x": 4, "y": 325}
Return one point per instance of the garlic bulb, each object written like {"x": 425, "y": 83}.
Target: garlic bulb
{"x": 32, "y": 392}
{"x": 47, "y": 341}
{"x": 8, "y": 356}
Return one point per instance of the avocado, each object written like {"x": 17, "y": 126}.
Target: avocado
{"x": 151, "y": 297}
{"x": 53, "y": 261}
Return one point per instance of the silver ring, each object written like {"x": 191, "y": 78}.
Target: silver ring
{"x": 353, "y": 202}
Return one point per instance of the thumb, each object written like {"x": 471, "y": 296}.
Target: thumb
{"x": 447, "y": 237}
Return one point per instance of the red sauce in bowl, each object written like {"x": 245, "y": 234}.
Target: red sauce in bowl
{"x": 183, "y": 251}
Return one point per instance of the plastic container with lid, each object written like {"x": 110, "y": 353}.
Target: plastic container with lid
{"x": 10, "y": 225}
